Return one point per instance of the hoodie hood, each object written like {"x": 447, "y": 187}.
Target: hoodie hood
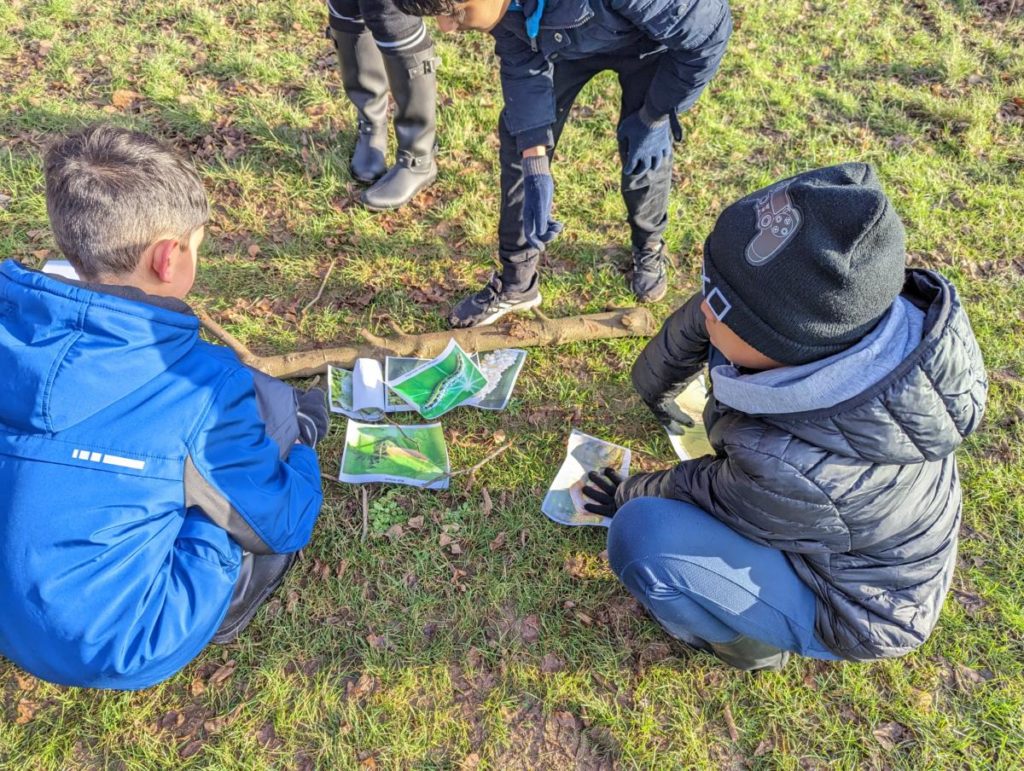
{"x": 67, "y": 351}
{"x": 925, "y": 407}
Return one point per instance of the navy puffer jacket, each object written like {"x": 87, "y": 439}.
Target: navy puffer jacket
{"x": 863, "y": 497}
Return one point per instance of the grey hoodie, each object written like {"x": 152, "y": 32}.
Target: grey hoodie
{"x": 862, "y": 494}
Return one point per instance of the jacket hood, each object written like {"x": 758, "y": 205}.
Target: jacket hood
{"x": 925, "y": 407}
{"x": 67, "y": 352}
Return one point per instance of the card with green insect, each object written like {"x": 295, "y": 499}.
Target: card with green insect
{"x": 442, "y": 383}
{"x": 405, "y": 455}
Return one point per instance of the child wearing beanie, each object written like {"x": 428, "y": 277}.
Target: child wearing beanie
{"x": 842, "y": 383}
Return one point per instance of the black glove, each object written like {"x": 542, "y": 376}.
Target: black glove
{"x": 603, "y": 492}
{"x": 671, "y": 416}
{"x": 313, "y": 416}
{"x": 538, "y": 195}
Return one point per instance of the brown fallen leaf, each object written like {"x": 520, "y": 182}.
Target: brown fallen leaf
{"x": 445, "y": 540}
{"x": 967, "y": 679}
{"x": 551, "y": 663}
{"x": 416, "y": 523}
{"x": 223, "y": 672}
{"x": 394, "y": 532}
{"x": 764, "y": 747}
{"x": 253, "y": 250}
{"x": 41, "y": 254}
{"x": 730, "y": 723}
{"x": 26, "y": 711}
{"x": 362, "y": 687}
{"x": 488, "y": 506}
{"x": 377, "y": 641}
{"x": 198, "y": 687}
{"x": 890, "y": 734}
{"x": 25, "y": 681}
{"x": 499, "y": 541}
{"x": 455, "y": 549}
{"x": 123, "y": 98}
{"x": 529, "y": 629}
{"x": 190, "y": 748}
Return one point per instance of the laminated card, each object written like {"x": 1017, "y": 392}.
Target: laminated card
{"x": 405, "y": 455}
{"x": 564, "y": 501}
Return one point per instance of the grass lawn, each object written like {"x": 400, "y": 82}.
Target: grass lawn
{"x": 518, "y": 649}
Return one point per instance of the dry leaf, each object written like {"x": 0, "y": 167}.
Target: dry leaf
{"x": 455, "y": 549}
{"x": 529, "y": 629}
{"x": 394, "y": 532}
{"x": 551, "y": 663}
{"x": 499, "y": 541}
{"x": 362, "y": 687}
{"x": 41, "y": 254}
{"x": 890, "y": 734}
{"x": 416, "y": 523}
{"x": 488, "y": 506}
{"x": 123, "y": 98}
{"x": 25, "y": 682}
{"x": 377, "y": 641}
{"x": 445, "y": 540}
{"x": 26, "y": 711}
{"x": 764, "y": 747}
{"x": 253, "y": 250}
{"x": 198, "y": 687}
{"x": 191, "y": 748}
{"x": 223, "y": 672}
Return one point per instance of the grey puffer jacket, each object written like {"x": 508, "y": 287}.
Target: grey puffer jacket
{"x": 863, "y": 497}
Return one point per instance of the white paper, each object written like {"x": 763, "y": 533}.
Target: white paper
{"x": 564, "y": 500}
{"x": 501, "y": 368}
{"x": 368, "y": 386}
{"x": 61, "y": 268}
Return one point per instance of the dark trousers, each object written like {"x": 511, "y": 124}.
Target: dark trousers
{"x": 395, "y": 32}
{"x": 645, "y": 195}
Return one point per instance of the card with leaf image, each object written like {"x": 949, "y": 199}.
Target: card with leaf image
{"x": 406, "y": 455}
{"x": 442, "y": 383}
{"x": 564, "y": 502}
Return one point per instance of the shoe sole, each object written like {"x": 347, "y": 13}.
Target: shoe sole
{"x": 652, "y": 298}
{"x": 518, "y": 308}
{"x": 226, "y": 636}
{"x": 423, "y": 187}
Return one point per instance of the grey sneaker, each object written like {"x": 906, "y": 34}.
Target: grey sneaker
{"x": 649, "y": 280}
{"x": 492, "y": 302}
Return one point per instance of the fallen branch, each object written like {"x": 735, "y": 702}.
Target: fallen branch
{"x": 471, "y": 470}
{"x": 524, "y": 333}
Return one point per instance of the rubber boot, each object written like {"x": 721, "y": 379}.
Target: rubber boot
{"x": 366, "y": 85}
{"x": 259, "y": 576}
{"x": 751, "y": 655}
{"x": 413, "y": 80}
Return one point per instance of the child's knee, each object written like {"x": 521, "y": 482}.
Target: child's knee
{"x": 631, "y": 531}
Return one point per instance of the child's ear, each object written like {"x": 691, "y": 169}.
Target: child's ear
{"x": 164, "y": 257}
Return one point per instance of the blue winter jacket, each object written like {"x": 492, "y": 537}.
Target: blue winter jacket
{"x": 134, "y": 469}
{"x": 689, "y": 35}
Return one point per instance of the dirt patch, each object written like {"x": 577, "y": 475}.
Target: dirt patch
{"x": 539, "y": 741}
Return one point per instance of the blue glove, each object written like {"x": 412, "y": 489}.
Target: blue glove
{"x": 645, "y": 141}
{"x": 538, "y": 192}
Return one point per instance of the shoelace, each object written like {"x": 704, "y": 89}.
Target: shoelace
{"x": 648, "y": 260}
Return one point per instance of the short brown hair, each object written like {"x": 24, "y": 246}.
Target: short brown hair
{"x": 112, "y": 192}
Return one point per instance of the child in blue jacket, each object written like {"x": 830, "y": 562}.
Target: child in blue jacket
{"x": 154, "y": 488}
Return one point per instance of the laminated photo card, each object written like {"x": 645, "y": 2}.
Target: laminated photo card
{"x": 442, "y": 383}
{"x": 564, "y": 501}
{"x": 693, "y": 441}
{"x": 361, "y": 393}
{"x": 405, "y": 455}
{"x": 501, "y": 368}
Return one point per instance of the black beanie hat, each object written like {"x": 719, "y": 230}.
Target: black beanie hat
{"x": 806, "y": 267}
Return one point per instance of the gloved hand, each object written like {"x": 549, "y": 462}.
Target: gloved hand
{"x": 602, "y": 493}
{"x": 672, "y": 417}
{"x": 313, "y": 416}
{"x": 538, "y": 194}
{"x": 645, "y": 141}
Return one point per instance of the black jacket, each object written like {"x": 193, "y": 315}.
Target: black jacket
{"x": 863, "y": 497}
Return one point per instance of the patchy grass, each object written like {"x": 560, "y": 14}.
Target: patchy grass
{"x": 522, "y": 651}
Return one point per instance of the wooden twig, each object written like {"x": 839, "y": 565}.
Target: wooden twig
{"x": 471, "y": 470}
{"x": 730, "y": 723}
{"x": 630, "y": 322}
{"x": 319, "y": 293}
{"x": 366, "y": 515}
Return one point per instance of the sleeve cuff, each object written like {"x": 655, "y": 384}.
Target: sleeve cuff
{"x": 536, "y": 165}
{"x": 651, "y": 117}
{"x": 543, "y": 135}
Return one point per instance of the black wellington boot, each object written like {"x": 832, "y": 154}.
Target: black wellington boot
{"x": 413, "y": 79}
{"x": 258, "y": 577}
{"x": 366, "y": 85}
{"x": 751, "y": 655}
